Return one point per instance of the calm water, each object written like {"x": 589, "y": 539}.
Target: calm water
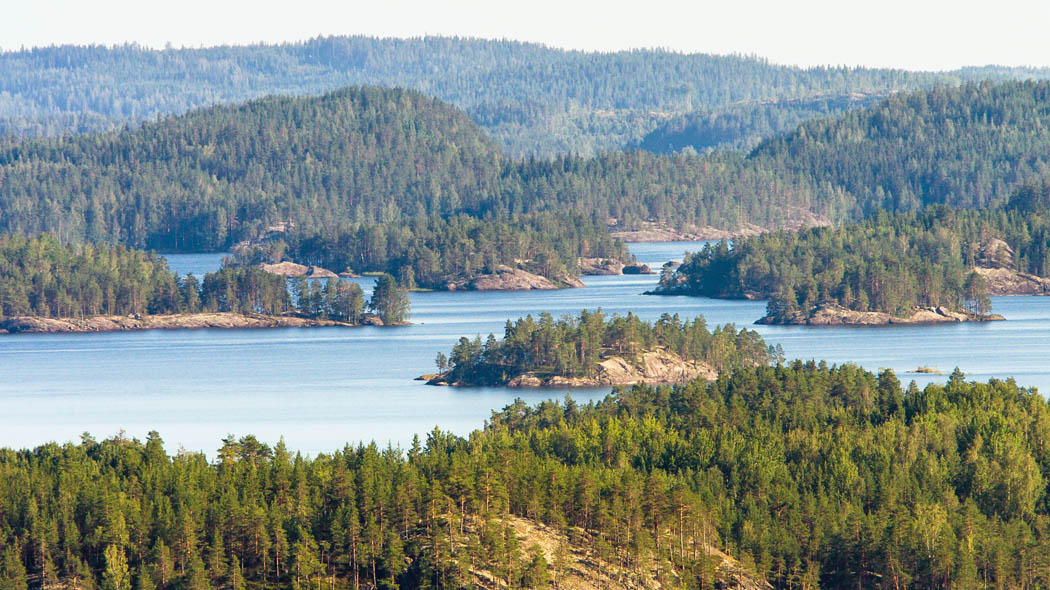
{"x": 323, "y": 387}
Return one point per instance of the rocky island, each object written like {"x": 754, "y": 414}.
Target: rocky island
{"x": 830, "y": 314}
{"x": 897, "y": 269}
{"x": 592, "y": 350}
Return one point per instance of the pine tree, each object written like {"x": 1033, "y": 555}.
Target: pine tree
{"x": 116, "y": 576}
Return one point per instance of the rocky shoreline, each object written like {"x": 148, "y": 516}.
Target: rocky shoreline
{"x": 612, "y": 267}
{"x": 506, "y": 278}
{"x": 185, "y": 321}
{"x": 836, "y": 315}
{"x": 654, "y": 368}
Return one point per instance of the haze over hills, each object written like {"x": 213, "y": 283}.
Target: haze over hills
{"x": 531, "y": 98}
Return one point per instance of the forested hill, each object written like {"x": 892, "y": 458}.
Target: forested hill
{"x": 968, "y": 146}
{"x": 328, "y": 166}
{"x": 532, "y": 98}
{"x": 205, "y": 180}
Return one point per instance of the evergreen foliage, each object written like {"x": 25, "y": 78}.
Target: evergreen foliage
{"x": 336, "y": 175}
{"x": 573, "y": 346}
{"x": 743, "y": 126}
{"x": 967, "y": 146}
{"x": 389, "y": 302}
{"x": 42, "y": 278}
{"x": 814, "y": 475}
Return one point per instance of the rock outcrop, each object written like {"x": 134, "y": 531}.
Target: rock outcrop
{"x": 600, "y": 266}
{"x": 506, "y": 278}
{"x": 295, "y": 271}
{"x": 583, "y": 568}
{"x": 1005, "y": 281}
{"x": 637, "y": 269}
{"x": 185, "y": 321}
{"x": 830, "y": 314}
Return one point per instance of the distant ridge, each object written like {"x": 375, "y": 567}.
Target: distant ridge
{"x": 532, "y": 98}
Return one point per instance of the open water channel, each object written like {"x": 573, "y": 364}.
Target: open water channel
{"x": 321, "y": 388}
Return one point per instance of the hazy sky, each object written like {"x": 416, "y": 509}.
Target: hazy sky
{"x": 913, "y": 34}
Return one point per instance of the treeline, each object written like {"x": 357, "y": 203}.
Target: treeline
{"x": 42, "y": 278}
{"x": 812, "y": 476}
{"x": 433, "y": 252}
{"x": 890, "y": 263}
{"x": 536, "y": 100}
{"x": 573, "y": 346}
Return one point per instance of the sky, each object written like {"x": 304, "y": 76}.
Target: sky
{"x": 910, "y": 34}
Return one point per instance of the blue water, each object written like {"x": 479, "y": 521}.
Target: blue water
{"x": 323, "y": 387}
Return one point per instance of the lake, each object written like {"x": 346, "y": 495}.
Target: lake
{"x": 323, "y": 387}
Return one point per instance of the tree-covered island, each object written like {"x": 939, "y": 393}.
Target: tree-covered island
{"x": 940, "y": 265}
{"x": 593, "y": 349}
{"x": 48, "y": 287}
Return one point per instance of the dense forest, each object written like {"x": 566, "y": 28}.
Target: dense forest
{"x": 573, "y": 346}
{"x": 535, "y": 100}
{"x": 892, "y": 263}
{"x": 335, "y": 166}
{"x": 42, "y": 278}
{"x": 813, "y": 476}
{"x": 330, "y": 167}
{"x": 206, "y": 180}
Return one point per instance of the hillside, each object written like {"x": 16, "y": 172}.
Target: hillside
{"x": 533, "y": 99}
{"x": 970, "y": 147}
{"x": 336, "y": 178}
{"x": 206, "y": 180}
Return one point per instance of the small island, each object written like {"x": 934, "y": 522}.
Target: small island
{"x": 47, "y": 287}
{"x": 593, "y": 350}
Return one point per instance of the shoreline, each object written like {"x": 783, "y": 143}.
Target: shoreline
{"x": 836, "y": 315}
{"x": 186, "y": 321}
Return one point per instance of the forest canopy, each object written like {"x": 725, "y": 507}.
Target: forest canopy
{"x": 809, "y": 475}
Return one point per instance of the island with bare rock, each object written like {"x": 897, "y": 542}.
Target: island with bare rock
{"x": 47, "y": 287}
{"x": 595, "y": 350}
